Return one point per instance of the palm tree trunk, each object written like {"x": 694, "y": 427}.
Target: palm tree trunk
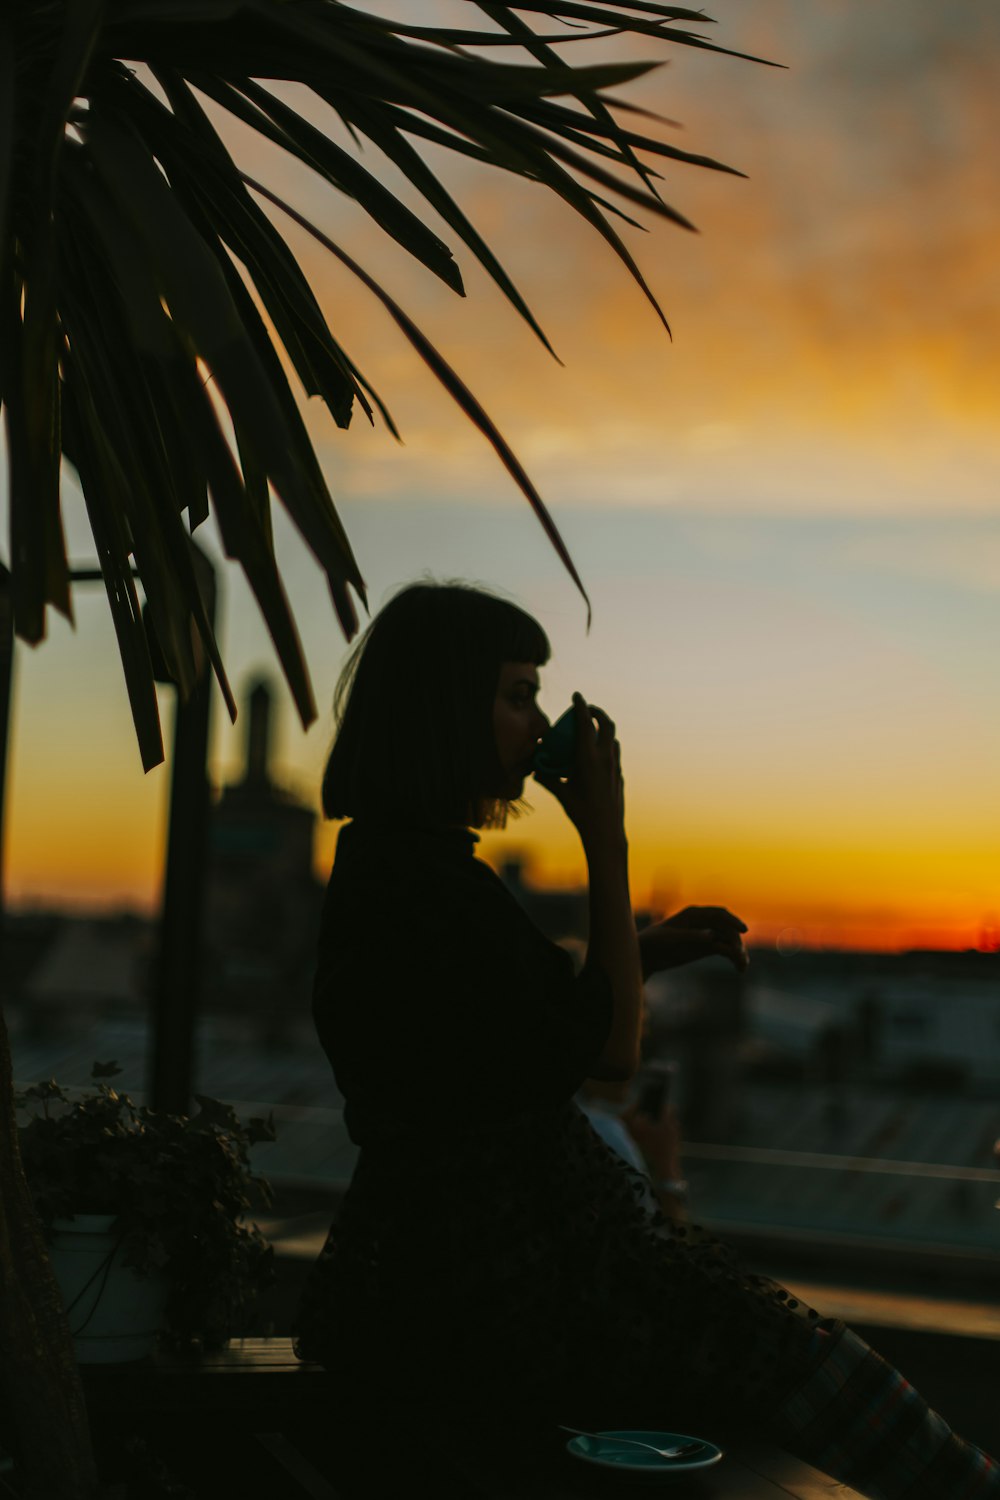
{"x": 38, "y": 1369}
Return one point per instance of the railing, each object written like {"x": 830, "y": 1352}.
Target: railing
{"x": 769, "y": 1156}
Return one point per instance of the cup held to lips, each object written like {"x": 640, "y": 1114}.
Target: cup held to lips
{"x": 556, "y": 752}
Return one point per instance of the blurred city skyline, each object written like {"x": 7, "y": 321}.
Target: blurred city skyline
{"x": 787, "y": 519}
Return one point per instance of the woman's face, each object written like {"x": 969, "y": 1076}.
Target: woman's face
{"x": 518, "y": 723}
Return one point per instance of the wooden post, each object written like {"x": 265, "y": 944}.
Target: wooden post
{"x": 177, "y": 976}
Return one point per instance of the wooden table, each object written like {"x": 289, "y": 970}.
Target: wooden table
{"x": 288, "y": 1414}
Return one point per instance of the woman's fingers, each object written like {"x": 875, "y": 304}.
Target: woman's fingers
{"x": 584, "y": 723}
{"x": 594, "y": 798}
{"x": 726, "y": 918}
{"x": 594, "y": 719}
{"x": 605, "y": 725}
{"x": 709, "y": 916}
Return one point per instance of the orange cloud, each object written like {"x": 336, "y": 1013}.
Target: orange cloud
{"x": 846, "y": 295}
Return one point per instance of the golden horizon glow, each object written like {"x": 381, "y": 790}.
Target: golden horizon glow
{"x": 820, "y": 916}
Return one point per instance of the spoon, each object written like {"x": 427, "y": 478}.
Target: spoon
{"x": 680, "y": 1451}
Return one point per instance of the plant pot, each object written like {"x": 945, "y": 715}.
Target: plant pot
{"x": 114, "y": 1313}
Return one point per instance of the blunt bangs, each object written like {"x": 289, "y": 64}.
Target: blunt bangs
{"x": 414, "y": 707}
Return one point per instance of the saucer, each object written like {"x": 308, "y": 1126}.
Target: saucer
{"x": 603, "y": 1450}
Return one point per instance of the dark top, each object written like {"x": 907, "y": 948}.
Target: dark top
{"x": 491, "y": 1248}
{"x": 435, "y": 992}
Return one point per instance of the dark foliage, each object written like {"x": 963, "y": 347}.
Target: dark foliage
{"x": 180, "y": 1187}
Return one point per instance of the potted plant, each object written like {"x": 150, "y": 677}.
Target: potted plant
{"x": 144, "y": 1214}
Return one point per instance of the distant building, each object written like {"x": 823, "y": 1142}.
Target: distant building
{"x": 560, "y": 913}
{"x": 930, "y": 1019}
{"x": 79, "y": 971}
{"x": 262, "y": 902}
{"x": 697, "y": 1017}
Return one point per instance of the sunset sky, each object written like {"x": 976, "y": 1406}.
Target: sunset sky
{"x": 787, "y": 519}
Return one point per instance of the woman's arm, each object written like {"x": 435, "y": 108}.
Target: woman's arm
{"x": 696, "y": 932}
{"x": 614, "y": 950}
{"x": 594, "y": 800}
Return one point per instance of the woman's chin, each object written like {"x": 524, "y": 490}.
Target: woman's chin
{"x": 513, "y": 786}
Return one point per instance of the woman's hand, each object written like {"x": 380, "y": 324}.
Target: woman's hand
{"x": 593, "y": 796}
{"x": 696, "y": 932}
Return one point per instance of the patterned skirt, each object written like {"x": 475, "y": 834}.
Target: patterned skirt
{"x": 519, "y": 1270}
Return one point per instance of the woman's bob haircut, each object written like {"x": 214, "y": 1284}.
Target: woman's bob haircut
{"x": 414, "y": 708}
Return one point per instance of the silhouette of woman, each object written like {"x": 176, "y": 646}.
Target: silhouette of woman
{"x": 492, "y": 1254}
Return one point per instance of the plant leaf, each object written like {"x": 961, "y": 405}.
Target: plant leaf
{"x": 213, "y": 194}
{"x": 298, "y": 136}
{"x": 101, "y": 488}
{"x": 41, "y": 550}
{"x": 399, "y": 150}
{"x": 104, "y": 1070}
{"x": 451, "y": 382}
{"x": 200, "y": 304}
{"x": 141, "y": 421}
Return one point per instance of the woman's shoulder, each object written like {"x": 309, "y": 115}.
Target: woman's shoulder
{"x": 420, "y": 876}
{"x": 428, "y": 883}
{"x": 426, "y": 858}
{"x": 364, "y": 840}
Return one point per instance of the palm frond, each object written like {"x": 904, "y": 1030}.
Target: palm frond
{"x": 147, "y": 299}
